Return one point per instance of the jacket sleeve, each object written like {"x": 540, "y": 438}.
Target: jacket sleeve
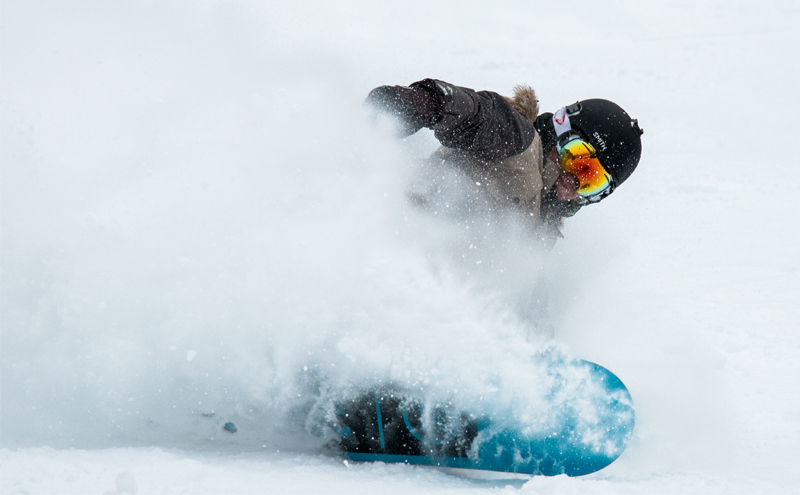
{"x": 481, "y": 123}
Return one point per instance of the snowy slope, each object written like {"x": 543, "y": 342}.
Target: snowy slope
{"x": 200, "y": 225}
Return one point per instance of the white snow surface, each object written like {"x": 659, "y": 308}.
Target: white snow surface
{"x": 201, "y": 224}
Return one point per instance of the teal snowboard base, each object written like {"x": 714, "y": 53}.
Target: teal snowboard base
{"x": 585, "y": 423}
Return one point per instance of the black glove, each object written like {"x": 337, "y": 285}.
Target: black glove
{"x": 413, "y": 106}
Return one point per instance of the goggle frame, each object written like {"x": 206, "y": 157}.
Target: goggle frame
{"x": 563, "y": 140}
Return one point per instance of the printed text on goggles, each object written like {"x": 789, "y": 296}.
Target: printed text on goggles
{"x": 579, "y": 158}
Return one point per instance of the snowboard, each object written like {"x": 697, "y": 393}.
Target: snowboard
{"x": 583, "y": 424}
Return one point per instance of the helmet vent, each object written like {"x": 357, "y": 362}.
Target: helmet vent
{"x": 635, "y": 125}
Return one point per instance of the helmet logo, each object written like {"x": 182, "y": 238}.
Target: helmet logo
{"x": 561, "y": 122}
{"x": 560, "y": 116}
{"x": 600, "y": 141}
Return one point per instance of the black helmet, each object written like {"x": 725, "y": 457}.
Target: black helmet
{"x": 613, "y": 133}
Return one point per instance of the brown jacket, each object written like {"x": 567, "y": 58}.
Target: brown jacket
{"x": 494, "y": 141}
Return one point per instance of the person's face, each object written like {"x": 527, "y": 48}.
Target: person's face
{"x": 567, "y": 186}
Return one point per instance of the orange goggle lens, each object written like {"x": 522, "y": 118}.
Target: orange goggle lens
{"x": 579, "y": 159}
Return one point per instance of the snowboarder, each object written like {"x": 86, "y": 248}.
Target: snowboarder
{"x": 546, "y": 166}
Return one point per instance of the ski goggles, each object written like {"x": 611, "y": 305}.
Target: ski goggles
{"x": 579, "y": 158}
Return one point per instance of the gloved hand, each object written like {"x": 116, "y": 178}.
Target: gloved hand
{"x": 413, "y": 106}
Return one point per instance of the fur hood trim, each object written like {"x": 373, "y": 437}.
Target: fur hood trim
{"x": 524, "y": 101}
